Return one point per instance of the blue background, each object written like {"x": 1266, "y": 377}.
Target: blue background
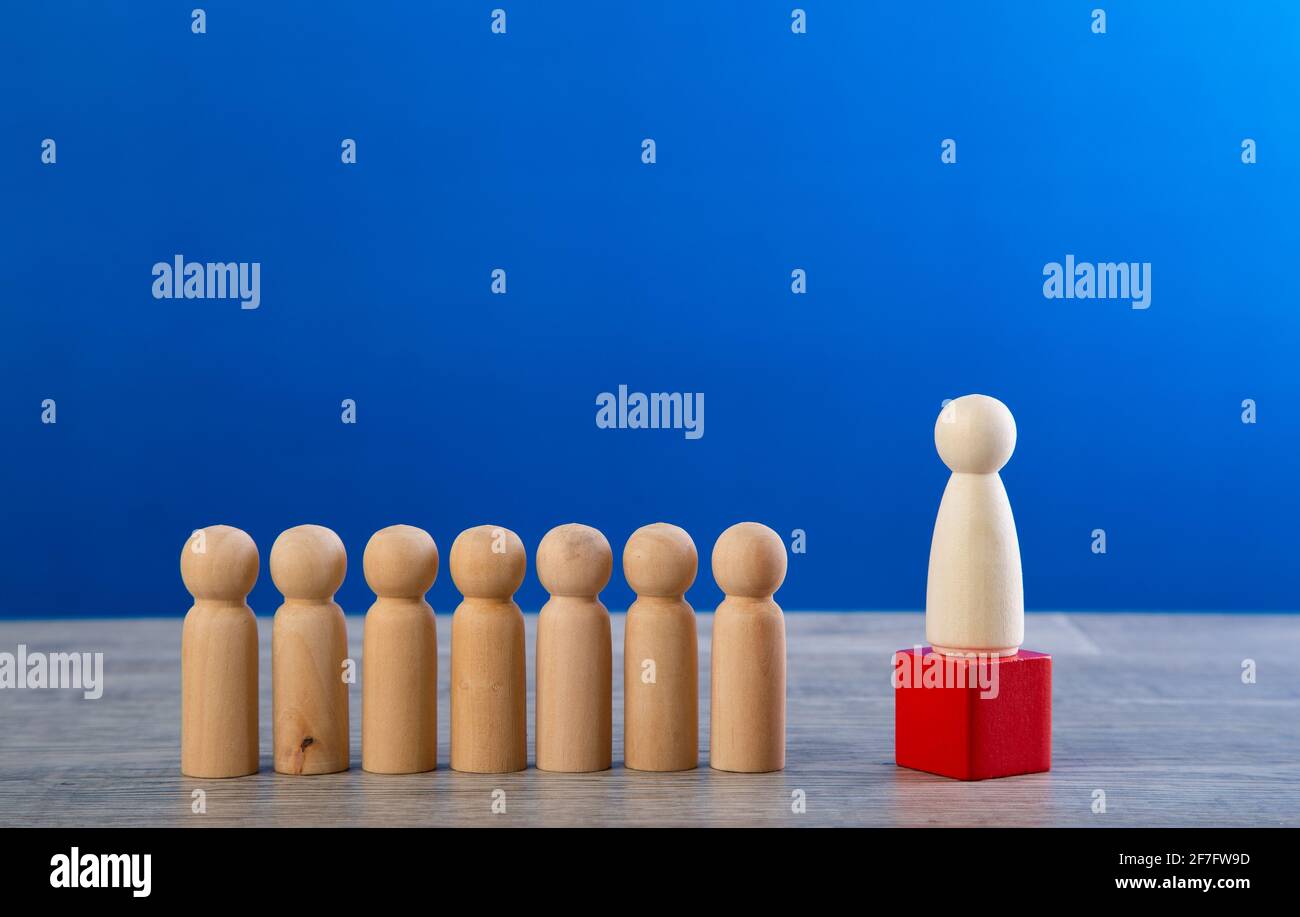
{"x": 775, "y": 151}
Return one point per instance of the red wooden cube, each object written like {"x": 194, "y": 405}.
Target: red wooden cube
{"x": 973, "y": 719}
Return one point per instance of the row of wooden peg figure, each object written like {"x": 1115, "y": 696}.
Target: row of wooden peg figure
{"x": 219, "y": 660}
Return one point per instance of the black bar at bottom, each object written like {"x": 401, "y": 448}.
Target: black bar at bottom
{"x": 300, "y": 866}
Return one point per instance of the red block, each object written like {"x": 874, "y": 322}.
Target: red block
{"x": 973, "y": 719}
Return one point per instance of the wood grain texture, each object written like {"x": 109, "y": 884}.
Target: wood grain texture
{"x": 1149, "y": 708}
{"x": 661, "y": 685}
{"x": 399, "y": 713}
{"x": 309, "y": 644}
{"x": 219, "y": 655}
{"x": 747, "y": 662}
{"x": 575, "y": 669}
{"x": 489, "y": 669}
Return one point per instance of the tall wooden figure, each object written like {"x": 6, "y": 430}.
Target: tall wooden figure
{"x": 747, "y": 716}
{"x": 489, "y": 703}
{"x": 219, "y": 655}
{"x": 974, "y": 599}
{"x": 661, "y": 705}
{"x": 974, "y": 705}
{"x": 309, "y": 644}
{"x": 574, "y": 653}
{"x": 399, "y": 657}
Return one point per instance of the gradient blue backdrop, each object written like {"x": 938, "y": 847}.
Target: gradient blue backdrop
{"x": 775, "y": 151}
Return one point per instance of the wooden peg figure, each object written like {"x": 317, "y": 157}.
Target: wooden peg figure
{"x": 399, "y": 658}
{"x": 219, "y": 655}
{"x": 309, "y": 644}
{"x": 489, "y": 704}
{"x": 974, "y": 598}
{"x": 574, "y": 654}
{"x": 661, "y": 717}
{"x": 747, "y": 715}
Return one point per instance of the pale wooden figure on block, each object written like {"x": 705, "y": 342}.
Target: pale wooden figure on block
{"x": 399, "y": 657}
{"x": 747, "y": 715}
{"x": 974, "y": 599}
{"x": 661, "y": 715}
{"x": 219, "y": 655}
{"x": 489, "y": 709}
{"x": 574, "y": 652}
{"x": 309, "y": 643}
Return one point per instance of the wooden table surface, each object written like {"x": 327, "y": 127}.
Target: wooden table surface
{"x": 1150, "y": 709}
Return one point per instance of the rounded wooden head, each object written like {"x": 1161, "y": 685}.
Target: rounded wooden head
{"x": 749, "y": 560}
{"x": 975, "y": 434}
{"x": 574, "y": 560}
{"x": 308, "y": 562}
{"x": 219, "y": 562}
{"x": 660, "y": 560}
{"x": 400, "y": 562}
{"x": 488, "y": 562}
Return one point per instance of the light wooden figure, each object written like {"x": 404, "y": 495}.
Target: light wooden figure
{"x": 309, "y": 644}
{"x": 219, "y": 655}
{"x": 489, "y": 704}
{"x": 974, "y": 600}
{"x": 661, "y": 715}
{"x": 747, "y": 715}
{"x": 399, "y": 657}
{"x": 574, "y": 653}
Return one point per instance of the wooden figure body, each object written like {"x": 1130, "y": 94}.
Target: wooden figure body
{"x": 399, "y": 657}
{"x": 574, "y": 652}
{"x": 219, "y": 655}
{"x": 309, "y": 644}
{"x": 489, "y": 703}
{"x": 747, "y": 715}
{"x": 661, "y": 716}
{"x": 974, "y": 601}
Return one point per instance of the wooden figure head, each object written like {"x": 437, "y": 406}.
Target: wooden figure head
{"x": 660, "y": 560}
{"x": 488, "y": 562}
{"x": 975, "y": 434}
{"x": 749, "y": 560}
{"x": 400, "y": 562}
{"x": 574, "y": 560}
{"x": 219, "y": 563}
{"x": 308, "y": 562}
